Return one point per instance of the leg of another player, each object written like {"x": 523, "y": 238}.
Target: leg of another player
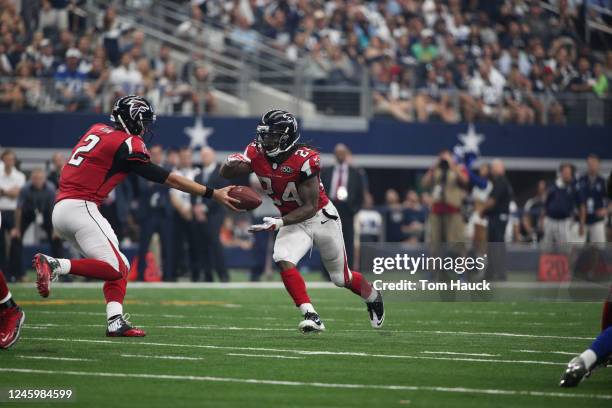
{"x": 596, "y": 355}
{"x": 11, "y": 317}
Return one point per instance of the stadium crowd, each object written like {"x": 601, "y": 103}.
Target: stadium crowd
{"x": 507, "y": 60}
{"x": 454, "y": 202}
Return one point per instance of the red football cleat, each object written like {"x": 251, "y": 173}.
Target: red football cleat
{"x": 121, "y": 327}
{"x": 11, "y": 321}
{"x": 44, "y": 274}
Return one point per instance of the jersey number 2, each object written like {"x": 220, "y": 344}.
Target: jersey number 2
{"x": 75, "y": 159}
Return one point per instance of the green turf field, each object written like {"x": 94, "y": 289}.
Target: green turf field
{"x": 241, "y": 347}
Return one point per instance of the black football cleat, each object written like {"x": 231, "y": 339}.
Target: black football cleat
{"x": 575, "y": 372}
{"x": 376, "y": 310}
{"x": 121, "y": 327}
{"x": 311, "y": 324}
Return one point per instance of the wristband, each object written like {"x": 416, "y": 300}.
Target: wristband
{"x": 209, "y": 192}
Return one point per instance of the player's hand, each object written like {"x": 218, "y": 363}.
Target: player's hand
{"x": 269, "y": 224}
{"x": 236, "y": 158}
{"x": 222, "y": 196}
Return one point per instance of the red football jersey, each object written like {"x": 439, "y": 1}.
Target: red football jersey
{"x": 99, "y": 162}
{"x": 280, "y": 181}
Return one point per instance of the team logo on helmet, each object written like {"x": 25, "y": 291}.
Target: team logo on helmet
{"x": 137, "y": 106}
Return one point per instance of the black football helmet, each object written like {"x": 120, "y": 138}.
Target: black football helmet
{"x": 133, "y": 114}
{"x": 277, "y": 132}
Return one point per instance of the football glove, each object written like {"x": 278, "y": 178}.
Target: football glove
{"x": 238, "y": 157}
{"x": 269, "y": 224}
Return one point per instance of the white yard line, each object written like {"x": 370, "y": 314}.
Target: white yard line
{"x": 461, "y": 333}
{"x": 565, "y": 353}
{"x": 461, "y": 390}
{"x": 162, "y": 357}
{"x": 56, "y": 358}
{"x": 301, "y": 352}
{"x": 264, "y": 356}
{"x": 501, "y": 334}
{"x": 461, "y": 354}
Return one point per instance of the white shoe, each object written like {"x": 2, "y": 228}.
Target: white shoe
{"x": 311, "y": 323}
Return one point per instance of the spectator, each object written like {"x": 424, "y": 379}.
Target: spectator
{"x": 533, "y": 214}
{"x": 345, "y": 185}
{"x": 562, "y": 202}
{"x": 600, "y": 81}
{"x": 432, "y": 100}
{"x": 394, "y": 216}
{"x": 159, "y": 62}
{"x": 46, "y": 63}
{"x": 185, "y": 232}
{"x": 425, "y": 50}
{"x": 11, "y": 183}
{"x": 155, "y": 215}
{"x": 413, "y": 229}
{"x": 369, "y": 221}
{"x": 481, "y": 188}
{"x": 497, "y": 211}
{"x": 448, "y": 181}
{"x": 176, "y": 96}
{"x": 58, "y": 160}
{"x": 209, "y": 218}
{"x": 34, "y": 206}
{"x": 70, "y": 83}
{"x": 592, "y": 189}
{"x": 126, "y": 79}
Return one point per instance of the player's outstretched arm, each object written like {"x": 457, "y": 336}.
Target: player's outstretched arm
{"x": 220, "y": 195}
{"x": 158, "y": 174}
{"x": 236, "y": 165}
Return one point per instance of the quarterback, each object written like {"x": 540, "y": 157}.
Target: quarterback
{"x": 102, "y": 158}
{"x": 289, "y": 174}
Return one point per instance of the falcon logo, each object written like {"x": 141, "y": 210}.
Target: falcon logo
{"x": 137, "y": 106}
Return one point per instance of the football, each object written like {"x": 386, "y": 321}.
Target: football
{"x": 249, "y": 199}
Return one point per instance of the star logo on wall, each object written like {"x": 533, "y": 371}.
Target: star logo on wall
{"x": 471, "y": 140}
{"x": 198, "y": 133}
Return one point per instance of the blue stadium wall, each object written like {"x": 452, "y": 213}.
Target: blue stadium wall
{"x": 383, "y": 137}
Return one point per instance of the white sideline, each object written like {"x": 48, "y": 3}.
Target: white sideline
{"x": 162, "y": 357}
{"x": 264, "y": 356}
{"x": 462, "y": 390}
{"x": 301, "y": 352}
{"x": 565, "y": 353}
{"x": 56, "y": 358}
{"x": 461, "y": 354}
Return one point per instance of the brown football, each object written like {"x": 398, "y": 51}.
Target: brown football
{"x": 249, "y": 198}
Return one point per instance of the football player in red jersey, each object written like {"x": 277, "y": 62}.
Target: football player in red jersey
{"x": 102, "y": 158}
{"x": 289, "y": 174}
{"x": 11, "y": 315}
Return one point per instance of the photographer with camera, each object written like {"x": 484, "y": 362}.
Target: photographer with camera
{"x": 448, "y": 181}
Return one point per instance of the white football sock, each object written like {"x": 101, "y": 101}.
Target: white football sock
{"x": 65, "y": 265}
{"x": 6, "y": 299}
{"x": 307, "y": 308}
{"x": 113, "y": 309}
{"x": 589, "y": 358}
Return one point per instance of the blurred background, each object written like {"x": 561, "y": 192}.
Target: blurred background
{"x": 455, "y": 121}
